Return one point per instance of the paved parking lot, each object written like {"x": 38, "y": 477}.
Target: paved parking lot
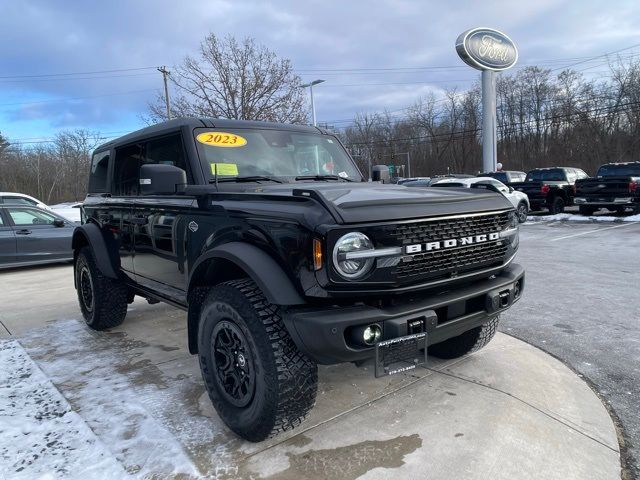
{"x": 133, "y": 403}
{"x": 582, "y": 305}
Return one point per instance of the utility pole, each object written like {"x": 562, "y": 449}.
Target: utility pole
{"x": 165, "y": 73}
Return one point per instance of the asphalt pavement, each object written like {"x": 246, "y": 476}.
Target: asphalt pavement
{"x": 582, "y": 305}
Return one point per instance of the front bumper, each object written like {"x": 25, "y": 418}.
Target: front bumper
{"x": 329, "y": 334}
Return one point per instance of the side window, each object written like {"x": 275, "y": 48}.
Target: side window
{"x": 581, "y": 173}
{"x": 166, "y": 151}
{"x": 571, "y": 176}
{"x": 99, "y": 172}
{"x": 23, "y": 217}
{"x": 18, "y": 201}
{"x": 126, "y": 170}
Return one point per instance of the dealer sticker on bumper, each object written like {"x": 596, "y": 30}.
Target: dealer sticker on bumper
{"x": 401, "y": 354}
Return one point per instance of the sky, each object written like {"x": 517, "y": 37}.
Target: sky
{"x": 373, "y": 55}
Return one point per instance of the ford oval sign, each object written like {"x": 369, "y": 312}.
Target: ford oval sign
{"x": 486, "y": 49}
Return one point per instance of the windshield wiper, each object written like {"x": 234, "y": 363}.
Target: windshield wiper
{"x": 323, "y": 177}
{"x": 248, "y": 178}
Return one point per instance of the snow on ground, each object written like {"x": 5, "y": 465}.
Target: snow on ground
{"x": 134, "y": 421}
{"x": 41, "y": 436}
{"x": 570, "y": 217}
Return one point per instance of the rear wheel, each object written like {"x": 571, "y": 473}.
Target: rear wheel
{"x": 257, "y": 379}
{"x": 103, "y": 300}
{"x": 586, "y": 210}
{"x": 470, "y": 341}
{"x": 522, "y": 212}
{"x": 557, "y": 206}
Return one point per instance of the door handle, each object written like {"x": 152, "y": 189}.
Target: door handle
{"x": 24, "y": 231}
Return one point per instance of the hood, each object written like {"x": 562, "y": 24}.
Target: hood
{"x": 374, "y": 202}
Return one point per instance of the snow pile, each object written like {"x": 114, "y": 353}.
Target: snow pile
{"x": 40, "y": 435}
{"x": 569, "y": 217}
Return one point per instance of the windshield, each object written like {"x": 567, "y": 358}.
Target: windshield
{"x": 552, "y": 175}
{"x": 236, "y": 153}
{"x": 630, "y": 170}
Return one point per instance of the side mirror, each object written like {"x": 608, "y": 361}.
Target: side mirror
{"x": 380, "y": 173}
{"x": 159, "y": 179}
{"x": 58, "y": 223}
{"x": 510, "y": 189}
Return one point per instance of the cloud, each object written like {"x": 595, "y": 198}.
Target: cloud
{"x": 70, "y": 36}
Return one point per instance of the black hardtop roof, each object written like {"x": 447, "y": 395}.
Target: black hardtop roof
{"x": 192, "y": 122}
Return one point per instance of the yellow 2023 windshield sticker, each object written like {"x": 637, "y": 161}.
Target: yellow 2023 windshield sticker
{"x": 221, "y": 139}
{"x": 224, "y": 168}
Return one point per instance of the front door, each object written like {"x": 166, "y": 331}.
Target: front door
{"x": 37, "y": 238}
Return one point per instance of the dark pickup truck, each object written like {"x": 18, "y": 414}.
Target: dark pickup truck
{"x": 615, "y": 187}
{"x": 552, "y": 188}
{"x": 508, "y": 177}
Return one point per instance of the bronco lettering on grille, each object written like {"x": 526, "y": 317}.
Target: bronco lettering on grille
{"x": 455, "y": 242}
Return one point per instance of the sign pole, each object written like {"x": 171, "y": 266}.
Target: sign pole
{"x": 489, "y": 127}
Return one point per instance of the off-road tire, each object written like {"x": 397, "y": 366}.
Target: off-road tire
{"x": 557, "y": 206}
{"x": 470, "y": 341}
{"x": 108, "y": 307}
{"x": 586, "y": 210}
{"x": 286, "y": 381}
{"x": 522, "y": 212}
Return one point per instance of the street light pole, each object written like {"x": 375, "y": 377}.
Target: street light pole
{"x": 313, "y": 105}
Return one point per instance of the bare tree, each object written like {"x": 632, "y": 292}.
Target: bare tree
{"x": 238, "y": 80}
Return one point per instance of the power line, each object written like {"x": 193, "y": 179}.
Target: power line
{"x": 69, "y": 99}
{"x": 77, "y": 73}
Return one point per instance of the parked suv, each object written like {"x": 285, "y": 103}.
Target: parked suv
{"x": 285, "y": 257}
{"x": 552, "y": 188}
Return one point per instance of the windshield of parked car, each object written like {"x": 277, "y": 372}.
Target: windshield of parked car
{"x": 632, "y": 170}
{"x": 552, "y": 175}
{"x": 285, "y": 155}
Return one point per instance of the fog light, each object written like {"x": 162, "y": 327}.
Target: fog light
{"x": 371, "y": 334}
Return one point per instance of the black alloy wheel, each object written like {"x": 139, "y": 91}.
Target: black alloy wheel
{"x": 235, "y": 372}
{"x": 85, "y": 288}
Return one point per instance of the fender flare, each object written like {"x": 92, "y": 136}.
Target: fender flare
{"x": 101, "y": 252}
{"x": 276, "y": 286}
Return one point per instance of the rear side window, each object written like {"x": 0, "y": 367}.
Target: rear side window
{"x": 449, "y": 184}
{"x": 99, "y": 173}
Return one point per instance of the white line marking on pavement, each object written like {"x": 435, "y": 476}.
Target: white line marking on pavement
{"x": 593, "y": 231}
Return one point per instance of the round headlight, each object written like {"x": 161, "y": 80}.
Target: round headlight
{"x": 352, "y": 268}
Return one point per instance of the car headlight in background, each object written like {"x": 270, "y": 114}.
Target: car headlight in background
{"x": 345, "y": 258}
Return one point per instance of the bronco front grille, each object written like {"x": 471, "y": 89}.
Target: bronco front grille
{"x": 446, "y": 228}
{"x": 448, "y": 262}
{"x": 456, "y": 260}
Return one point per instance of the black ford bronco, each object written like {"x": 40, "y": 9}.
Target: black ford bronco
{"x": 284, "y": 257}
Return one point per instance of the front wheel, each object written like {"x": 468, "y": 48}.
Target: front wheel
{"x": 470, "y": 341}
{"x": 522, "y": 212}
{"x": 103, "y": 300}
{"x": 258, "y": 381}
